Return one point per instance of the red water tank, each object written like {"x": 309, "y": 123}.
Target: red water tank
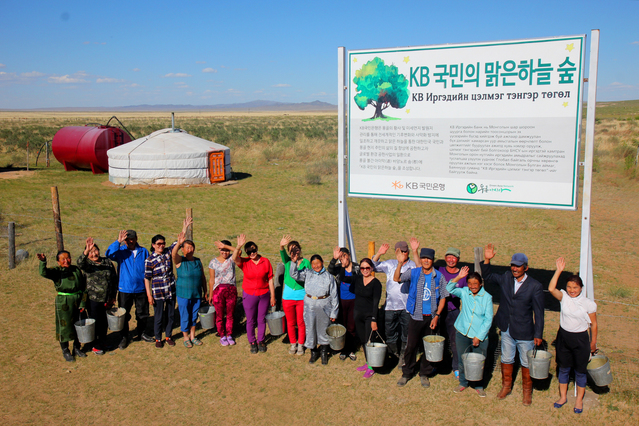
{"x": 85, "y": 147}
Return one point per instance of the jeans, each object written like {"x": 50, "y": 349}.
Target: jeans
{"x": 393, "y": 322}
{"x": 163, "y": 312}
{"x": 126, "y": 301}
{"x": 510, "y": 345}
{"x": 451, "y": 331}
{"x": 188, "y": 309}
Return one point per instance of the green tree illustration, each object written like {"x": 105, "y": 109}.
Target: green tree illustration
{"x": 380, "y": 85}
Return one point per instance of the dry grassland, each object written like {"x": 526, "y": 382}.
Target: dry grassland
{"x": 279, "y": 192}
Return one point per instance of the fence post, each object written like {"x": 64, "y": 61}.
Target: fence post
{"x": 56, "y": 218}
{"x": 189, "y": 229}
{"x": 479, "y": 256}
{"x": 11, "y": 234}
{"x": 371, "y": 253}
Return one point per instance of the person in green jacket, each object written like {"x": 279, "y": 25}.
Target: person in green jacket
{"x": 293, "y": 295}
{"x": 70, "y": 301}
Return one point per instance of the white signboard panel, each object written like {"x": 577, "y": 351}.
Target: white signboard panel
{"x": 484, "y": 123}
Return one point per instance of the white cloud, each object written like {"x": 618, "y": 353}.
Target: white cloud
{"x": 81, "y": 74}
{"x": 200, "y": 62}
{"x": 635, "y": 42}
{"x": 209, "y": 70}
{"x": 131, "y": 85}
{"x": 136, "y": 69}
{"x": 87, "y": 42}
{"x": 189, "y": 93}
{"x": 281, "y": 85}
{"x": 32, "y": 74}
{"x": 617, "y": 86}
{"x": 239, "y": 69}
{"x": 109, "y": 80}
{"x": 233, "y": 91}
{"x": 176, "y": 75}
{"x": 2, "y": 65}
{"x": 65, "y": 79}
{"x": 223, "y": 66}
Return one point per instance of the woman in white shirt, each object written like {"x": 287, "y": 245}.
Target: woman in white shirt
{"x": 574, "y": 345}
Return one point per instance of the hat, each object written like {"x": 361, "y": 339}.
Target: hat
{"x": 130, "y": 233}
{"x": 428, "y": 253}
{"x": 519, "y": 259}
{"x": 454, "y": 251}
{"x": 402, "y": 246}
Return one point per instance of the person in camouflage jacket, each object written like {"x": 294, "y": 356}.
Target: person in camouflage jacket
{"x": 102, "y": 287}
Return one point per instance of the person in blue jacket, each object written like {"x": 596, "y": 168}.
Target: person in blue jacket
{"x": 131, "y": 257}
{"x": 473, "y": 322}
{"x": 426, "y": 301}
{"x": 520, "y": 318}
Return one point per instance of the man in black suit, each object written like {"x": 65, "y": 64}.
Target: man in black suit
{"x": 521, "y": 297}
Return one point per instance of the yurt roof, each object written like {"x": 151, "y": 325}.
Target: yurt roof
{"x": 175, "y": 143}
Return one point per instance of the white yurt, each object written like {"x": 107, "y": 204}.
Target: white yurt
{"x": 169, "y": 157}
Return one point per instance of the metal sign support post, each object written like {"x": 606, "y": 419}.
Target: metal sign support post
{"x": 585, "y": 260}
{"x": 344, "y": 232}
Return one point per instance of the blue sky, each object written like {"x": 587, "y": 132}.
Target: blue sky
{"x": 89, "y": 54}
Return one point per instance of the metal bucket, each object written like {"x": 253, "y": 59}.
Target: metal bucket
{"x": 207, "y": 317}
{"x": 599, "y": 370}
{"x": 473, "y": 365}
{"x": 275, "y": 321}
{"x": 539, "y": 363}
{"x": 85, "y": 329}
{"x": 375, "y": 354}
{"x": 116, "y": 318}
{"x": 434, "y": 348}
{"x": 336, "y": 336}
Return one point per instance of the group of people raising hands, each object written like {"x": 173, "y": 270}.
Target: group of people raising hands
{"x": 420, "y": 300}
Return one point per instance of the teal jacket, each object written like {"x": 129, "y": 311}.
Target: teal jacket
{"x": 476, "y": 314}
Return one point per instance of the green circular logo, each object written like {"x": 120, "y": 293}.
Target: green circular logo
{"x": 471, "y": 188}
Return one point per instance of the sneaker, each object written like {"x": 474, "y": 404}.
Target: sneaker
{"x": 170, "y": 341}
{"x": 300, "y": 349}
{"x": 123, "y": 343}
{"x": 97, "y": 351}
{"x": 230, "y": 340}
{"x": 362, "y": 367}
{"x": 223, "y": 341}
{"x": 77, "y": 352}
{"x": 352, "y": 356}
{"x": 67, "y": 355}
{"x": 342, "y": 357}
{"x": 253, "y": 348}
{"x": 147, "y": 338}
{"x": 481, "y": 393}
{"x": 159, "y": 344}
{"x": 460, "y": 389}
{"x": 402, "y": 381}
{"x": 425, "y": 381}
{"x": 261, "y": 347}
{"x": 293, "y": 349}
{"x": 369, "y": 373}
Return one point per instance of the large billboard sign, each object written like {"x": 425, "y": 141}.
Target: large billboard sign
{"x": 484, "y": 123}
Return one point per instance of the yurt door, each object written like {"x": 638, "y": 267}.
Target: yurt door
{"x": 216, "y": 166}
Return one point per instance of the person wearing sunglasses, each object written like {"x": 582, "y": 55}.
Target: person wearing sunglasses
{"x": 342, "y": 266}
{"x": 368, "y": 292}
{"x": 257, "y": 291}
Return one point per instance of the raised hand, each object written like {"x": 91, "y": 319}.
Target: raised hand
{"x": 336, "y": 252}
{"x": 414, "y": 243}
{"x": 241, "y": 240}
{"x": 181, "y": 237}
{"x": 122, "y": 236}
{"x": 284, "y": 241}
{"x": 561, "y": 264}
{"x": 186, "y": 223}
{"x": 219, "y": 244}
{"x": 489, "y": 251}
{"x": 383, "y": 249}
{"x": 401, "y": 258}
{"x": 89, "y": 244}
{"x": 462, "y": 272}
{"x": 42, "y": 257}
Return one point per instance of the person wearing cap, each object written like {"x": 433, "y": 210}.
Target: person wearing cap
{"x": 396, "y": 317}
{"x": 426, "y": 301}
{"x": 342, "y": 266}
{"x": 451, "y": 312}
{"x": 131, "y": 257}
{"x": 520, "y": 317}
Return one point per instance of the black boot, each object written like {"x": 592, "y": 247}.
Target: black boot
{"x": 315, "y": 354}
{"x": 392, "y": 348}
{"x": 66, "y": 353}
{"x": 324, "y": 354}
